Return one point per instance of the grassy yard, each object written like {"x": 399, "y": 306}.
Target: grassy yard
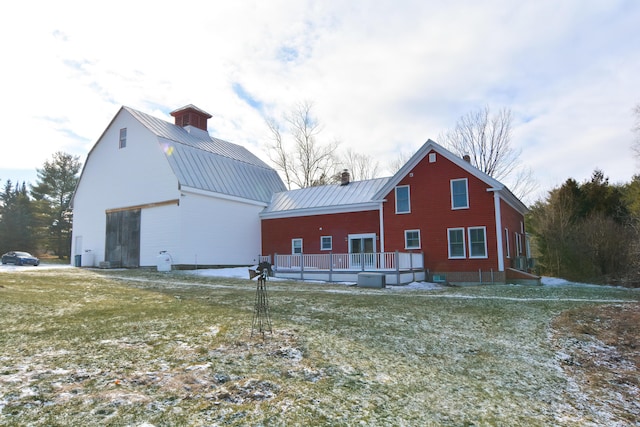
{"x": 133, "y": 348}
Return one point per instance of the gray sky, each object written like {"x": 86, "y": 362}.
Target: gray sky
{"x": 384, "y": 76}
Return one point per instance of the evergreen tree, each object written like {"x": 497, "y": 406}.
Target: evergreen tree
{"x": 17, "y": 219}
{"x": 53, "y": 190}
{"x": 587, "y": 231}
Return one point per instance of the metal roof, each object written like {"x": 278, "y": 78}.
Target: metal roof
{"x": 324, "y": 197}
{"x": 211, "y": 164}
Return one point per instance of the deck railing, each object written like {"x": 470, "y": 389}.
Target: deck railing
{"x": 379, "y": 261}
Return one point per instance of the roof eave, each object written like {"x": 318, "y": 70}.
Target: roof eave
{"x": 325, "y": 210}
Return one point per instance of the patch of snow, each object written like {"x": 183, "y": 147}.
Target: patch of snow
{"x": 416, "y": 286}
{"x": 233, "y": 272}
{"x": 10, "y": 268}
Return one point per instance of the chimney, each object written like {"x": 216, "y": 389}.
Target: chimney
{"x": 467, "y": 158}
{"x": 345, "y": 177}
{"x": 190, "y": 115}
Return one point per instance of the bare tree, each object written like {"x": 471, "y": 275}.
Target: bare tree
{"x": 486, "y": 139}
{"x": 400, "y": 160}
{"x": 307, "y": 162}
{"x": 360, "y": 165}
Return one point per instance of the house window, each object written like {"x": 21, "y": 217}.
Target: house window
{"x": 123, "y": 138}
{"x": 459, "y": 194}
{"x": 326, "y": 243}
{"x": 506, "y": 239}
{"x": 296, "y": 246}
{"x": 402, "y": 199}
{"x": 456, "y": 243}
{"x": 518, "y": 244}
{"x": 412, "y": 239}
{"x": 477, "y": 242}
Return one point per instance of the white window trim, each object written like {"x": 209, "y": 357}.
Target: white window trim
{"x": 506, "y": 238}
{"x": 408, "y": 199}
{"x": 330, "y": 243}
{"x": 406, "y": 240}
{"x": 466, "y": 185}
{"x": 293, "y": 252}
{"x": 122, "y": 142}
{"x": 464, "y": 246}
{"x": 486, "y": 254}
{"x": 518, "y": 244}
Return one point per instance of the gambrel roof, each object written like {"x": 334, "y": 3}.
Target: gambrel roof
{"x": 209, "y": 164}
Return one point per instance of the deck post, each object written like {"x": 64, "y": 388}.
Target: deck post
{"x": 330, "y": 266}
{"x": 398, "y": 268}
{"x": 301, "y": 267}
{"x": 411, "y": 265}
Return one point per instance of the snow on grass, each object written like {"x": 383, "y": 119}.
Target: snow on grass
{"x": 10, "y": 268}
{"x": 140, "y": 348}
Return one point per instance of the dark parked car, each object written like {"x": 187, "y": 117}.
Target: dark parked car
{"x": 19, "y": 258}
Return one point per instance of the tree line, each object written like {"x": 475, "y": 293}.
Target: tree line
{"x": 589, "y": 231}
{"x": 37, "y": 218}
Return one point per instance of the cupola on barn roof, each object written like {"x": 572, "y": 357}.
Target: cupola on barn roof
{"x": 190, "y": 115}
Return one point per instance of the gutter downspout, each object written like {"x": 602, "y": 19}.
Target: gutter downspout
{"x": 381, "y": 210}
{"x": 496, "y": 203}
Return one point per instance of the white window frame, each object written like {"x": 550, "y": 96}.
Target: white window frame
{"x": 518, "y": 244}
{"x": 122, "y": 140}
{"x": 464, "y": 246}
{"x": 484, "y": 232}
{"x": 322, "y": 247}
{"x": 506, "y": 239}
{"x": 406, "y": 240}
{"x": 408, "y": 199}
{"x": 466, "y": 188}
{"x": 293, "y": 246}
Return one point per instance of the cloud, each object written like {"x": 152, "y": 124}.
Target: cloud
{"x": 384, "y": 76}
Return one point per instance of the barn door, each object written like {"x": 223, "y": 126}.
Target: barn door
{"x": 123, "y": 238}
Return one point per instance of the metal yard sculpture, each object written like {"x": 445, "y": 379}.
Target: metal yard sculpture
{"x": 261, "y": 320}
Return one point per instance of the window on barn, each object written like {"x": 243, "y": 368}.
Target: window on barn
{"x": 456, "y": 243}
{"x": 326, "y": 243}
{"x": 403, "y": 204}
{"x": 459, "y": 194}
{"x": 412, "y": 239}
{"x": 296, "y": 246}
{"x": 123, "y": 138}
{"x": 477, "y": 242}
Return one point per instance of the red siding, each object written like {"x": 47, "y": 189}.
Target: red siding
{"x": 513, "y": 221}
{"x": 277, "y": 233}
{"x": 431, "y": 213}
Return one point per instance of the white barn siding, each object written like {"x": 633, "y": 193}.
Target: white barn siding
{"x": 115, "y": 178}
{"x": 217, "y": 231}
{"x": 159, "y": 231}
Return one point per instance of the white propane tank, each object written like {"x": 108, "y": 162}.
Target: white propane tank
{"x": 164, "y": 261}
{"x": 87, "y": 259}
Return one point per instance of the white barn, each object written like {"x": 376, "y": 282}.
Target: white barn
{"x": 149, "y": 186}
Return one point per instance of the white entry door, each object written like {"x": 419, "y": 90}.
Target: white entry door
{"x": 362, "y": 251}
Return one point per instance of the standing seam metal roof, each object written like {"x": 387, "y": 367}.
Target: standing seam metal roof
{"x": 213, "y": 164}
{"x": 326, "y": 196}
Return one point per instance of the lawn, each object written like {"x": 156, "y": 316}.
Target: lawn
{"x": 137, "y": 348}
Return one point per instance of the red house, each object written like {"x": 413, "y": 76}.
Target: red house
{"x": 463, "y": 225}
